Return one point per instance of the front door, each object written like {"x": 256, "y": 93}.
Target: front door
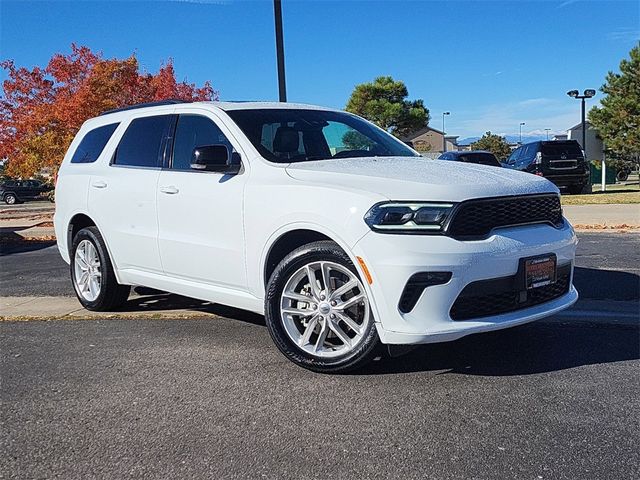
{"x": 200, "y": 215}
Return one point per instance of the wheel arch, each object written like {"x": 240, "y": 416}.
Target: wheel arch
{"x": 77, "y": 223}
{"x": 284, "y": 244}
{"x": 82, "y": 220}
{"x": 286, "y": 236}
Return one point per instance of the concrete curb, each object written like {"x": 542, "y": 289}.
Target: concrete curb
{"x": 67, "y": 308}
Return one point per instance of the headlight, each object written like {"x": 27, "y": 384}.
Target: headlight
{"x": 395, "y": 217}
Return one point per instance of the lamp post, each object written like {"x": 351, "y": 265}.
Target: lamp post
{"x": 547, "y": 132}
{"x": 521, "y": 125}
{"x": 587, "y": 94}
{"x": 444, "y": 136}
{"x": 282, "y": 85}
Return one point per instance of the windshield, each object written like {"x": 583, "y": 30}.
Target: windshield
{"x": 296, "y": 135}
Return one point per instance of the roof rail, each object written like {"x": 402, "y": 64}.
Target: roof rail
{"x": 170, "y": 101}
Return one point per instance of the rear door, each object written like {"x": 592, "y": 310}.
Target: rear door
{"x": 122, "y": 197}
{"x": 562, "y": 158}
{"x": 201, "y": 235}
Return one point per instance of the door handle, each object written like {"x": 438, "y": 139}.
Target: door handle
{"x": 170, "y": 190}
{"x": 99, "y": 184}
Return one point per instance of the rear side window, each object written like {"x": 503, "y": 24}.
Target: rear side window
{"x": 142, "y": 144}
{"x": 93, "y": 143}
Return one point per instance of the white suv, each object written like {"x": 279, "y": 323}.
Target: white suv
{"x": 343, "y": 236}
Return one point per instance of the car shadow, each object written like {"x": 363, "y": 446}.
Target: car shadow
{"x": 14, "y": 243}
{"x": 596, "y": 284}
{"x": 526, "y": 350}
{"x": 538, "y": 347}
{"x": 151, "y": 300}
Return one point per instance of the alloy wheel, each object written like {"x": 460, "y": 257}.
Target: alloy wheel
{"x": 324, "y": 309}
{"x": 88, "y": 271}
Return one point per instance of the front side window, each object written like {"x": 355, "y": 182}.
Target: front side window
{"x": 297, "y": 135}
{"x": 93, "y": 143}
{"x": 194, "y": 131}
{"x": 143, "y": 142}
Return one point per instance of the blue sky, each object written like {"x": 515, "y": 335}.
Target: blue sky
{"x": 492, "y": 64}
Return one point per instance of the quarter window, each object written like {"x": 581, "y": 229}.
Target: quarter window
{"x": 143, "y": 142}
{"x": 195, "y": 131}
{"x": 93, "y": 143}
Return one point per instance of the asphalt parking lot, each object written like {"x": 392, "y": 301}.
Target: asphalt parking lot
{"x": 148, "y": 398}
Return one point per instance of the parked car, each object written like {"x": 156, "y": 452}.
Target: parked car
{"x": 16, "y": 191}
{"x": 475, "y": 156}
{"x": 341, "y": 235}
{"x": 560, "y": 161}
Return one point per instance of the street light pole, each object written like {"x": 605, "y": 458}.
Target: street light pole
{"x": 587, "y": 94}
{"x": 521, "y": 124}
{"x": 547, "y": 131}
{"x": 444, "y": 135}
{"x": 282, "y": 85}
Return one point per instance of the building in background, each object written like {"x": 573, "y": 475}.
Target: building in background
{"x": 430, "y": 140}
{"x": 595, "y": 146}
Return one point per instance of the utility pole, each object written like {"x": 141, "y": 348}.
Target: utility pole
{"x": 444, "y": 135}
{"x": 282, "y": 84}
{"x": 587, "y": 94}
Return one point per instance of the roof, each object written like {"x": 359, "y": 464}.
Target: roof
{"x": 422, "y": 131}
{"x": 226, "y": 106}
{"x": 467, "y": 152}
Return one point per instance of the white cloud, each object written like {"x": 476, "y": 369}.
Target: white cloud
{"x": 504, "y": 119}
{"x": 624, "y": 35}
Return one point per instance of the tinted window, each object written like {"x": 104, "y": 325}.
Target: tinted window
{"x": 528, "y": 153}
{"x": 514, "y": 156}
{"x": 568, "y": 149}
{"x": 142, "y": 143}
{"x": 480, "y": 158}
{"x": 93, "y": 143}
{"x": 296, "y": 135}
{"x": 194, "y": 131}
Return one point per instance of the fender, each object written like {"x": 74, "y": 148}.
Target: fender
{"x": 332, "y": 235}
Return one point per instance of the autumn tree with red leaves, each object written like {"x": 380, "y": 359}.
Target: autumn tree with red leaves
{"x": 42, "y": 109}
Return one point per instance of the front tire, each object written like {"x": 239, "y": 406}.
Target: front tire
{"x": 92, "y": 273}
{"x": 317, "y": 310}
{"x": 10, "y": 199}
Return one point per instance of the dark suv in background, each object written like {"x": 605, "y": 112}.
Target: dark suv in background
{"x": 479, "y": 157}
{"x": 560, "y": 161}
{"x": 16, "y": 191}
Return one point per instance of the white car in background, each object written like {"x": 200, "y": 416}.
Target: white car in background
{"x": 341, "y": 235}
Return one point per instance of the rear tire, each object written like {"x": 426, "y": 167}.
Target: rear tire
{"x": 92, "y": 273}
{"x": 10, "y": 199}
{"x": 323, "y": 329}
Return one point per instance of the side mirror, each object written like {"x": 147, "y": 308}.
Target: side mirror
{"x": 215, "y": 158}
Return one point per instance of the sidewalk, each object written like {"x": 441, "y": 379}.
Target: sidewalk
{"x": 164, "y": 306}
{"x": 609, "y": 215}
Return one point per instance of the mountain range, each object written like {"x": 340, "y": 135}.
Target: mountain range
{"x": 509, "y": 138}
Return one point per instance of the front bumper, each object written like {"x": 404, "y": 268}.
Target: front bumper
{"x": 393, "y": 259}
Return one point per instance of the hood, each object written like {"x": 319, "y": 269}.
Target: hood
{"x": 419, "y": 178}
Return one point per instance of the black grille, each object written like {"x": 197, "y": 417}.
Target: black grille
{"x": 476, "y": 218}
{"x": 416, "y": 285}
{"x": 503, "y": 296}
